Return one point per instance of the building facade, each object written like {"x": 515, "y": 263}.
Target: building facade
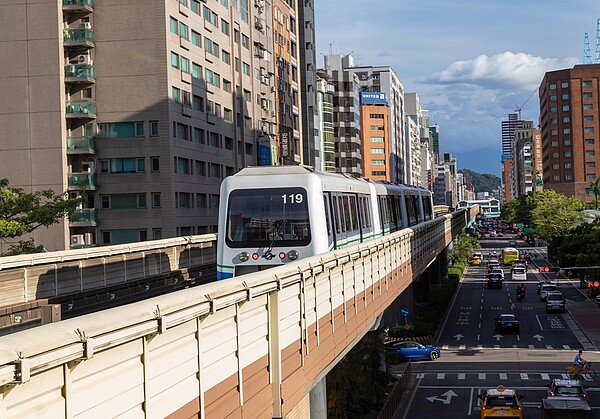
{"x": 375, "y": 136}
{"x": 570, "y": 130}
{"x": 147, "y": 108}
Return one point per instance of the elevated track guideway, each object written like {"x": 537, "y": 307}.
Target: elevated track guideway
{"x": 252, "y": 347}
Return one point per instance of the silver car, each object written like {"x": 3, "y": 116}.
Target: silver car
{"x": 547, "y": 289}
{"x": 555, "y": 301}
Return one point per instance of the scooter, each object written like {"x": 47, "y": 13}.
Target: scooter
{"x": 520, "y": 294}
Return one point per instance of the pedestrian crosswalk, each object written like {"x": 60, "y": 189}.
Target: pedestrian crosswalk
{"x": 530, "y": 346}
{"x": 498, "y": 376}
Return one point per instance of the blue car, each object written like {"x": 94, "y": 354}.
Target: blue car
{"x": 406, "y": 350}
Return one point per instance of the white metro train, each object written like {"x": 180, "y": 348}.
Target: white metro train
{"x": 272, "y": 215}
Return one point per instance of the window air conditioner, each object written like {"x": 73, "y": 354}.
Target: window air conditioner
{"x": 84, "y": 59}
{"x": 77, "y": 240}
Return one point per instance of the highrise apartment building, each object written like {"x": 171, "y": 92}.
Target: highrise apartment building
{"x": 419, "y": 140}
{"x": 570, "y": 130}
{"x": 375, "y": 140}
{"x": 346, "y": 112}
{"x": 523, "y": 175}
{"x": 146, "y": 106}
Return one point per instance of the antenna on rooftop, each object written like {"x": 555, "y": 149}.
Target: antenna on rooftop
{"x": 587, "y": 58}
{"x": 597, "y": 59}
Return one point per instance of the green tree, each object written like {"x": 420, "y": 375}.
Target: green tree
{"x": 595, "y": 186}
{"x": 22, "y": 213}
{"x": 554, "y": 215}
{"x": 481, "y": 182}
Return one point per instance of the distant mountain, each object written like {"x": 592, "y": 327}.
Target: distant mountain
{"x": 481, "y": 182}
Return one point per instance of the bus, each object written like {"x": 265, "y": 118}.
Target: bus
{"x": 509, "y": 254}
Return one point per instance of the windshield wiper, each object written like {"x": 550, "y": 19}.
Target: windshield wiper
{"x": 276, "y": 236}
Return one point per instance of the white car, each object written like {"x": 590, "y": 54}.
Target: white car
{"x": 519, "y": 273}
{"x": 499, "y": 271}
{"x": 547, "y": 289}
{"x": 555, "y": 301}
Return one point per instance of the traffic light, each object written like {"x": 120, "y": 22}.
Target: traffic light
{"x": 544, "y": 269}
{"x": 593, "y": 284}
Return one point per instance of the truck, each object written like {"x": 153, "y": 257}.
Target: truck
{"x": 565, "y": 408}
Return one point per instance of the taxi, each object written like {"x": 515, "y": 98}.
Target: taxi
{"x": 476, "y": 259}
{"x": 501, "y": 402}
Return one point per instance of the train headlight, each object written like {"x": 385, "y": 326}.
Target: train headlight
{"x": 292, "y": 255}
{"x": 255, "y": 256}
{"x": 281, "y": 255}
{"x": 244, "y": 256}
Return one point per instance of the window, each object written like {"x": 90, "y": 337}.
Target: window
{"x": 227, "y": 85}
{"x": 121, "y": 130}
{"x": 153, "y": 128}
{"x": 566, "y": 130}
{"x": 246, "y": 68}
{"x": 227, "y": 115}
{"x": 590, "y": 164}
{"x": 155, "y": 164}
{"x": 376, "y": 127}
{"x": 566, "y": 119}
{"x": 225, "y": 27}
{"x": 588, "y": 130}
{"x": 182, "y": 131}
{"x": 196, "y": 39}
{"x": 214, "y": 139}
{"x": 214, "y": 201}
{"x": 552, "y": 98}
{"x": 590, "y": 152}
{"x": 552, "y": 86}
{"x": 200, "y": 168}
{"x": 568, "y": 177}
{"x": 590, "y": 176}
{"x": 587, "y": 83}
{"x": 211, "y": 47}
{"x": 123, "y": 165}
{"x": 214, "y": 170}
{"x": 185, "y": 65}
{"x": 201, "y": 201}
{"x": 196, "y": 70}
{"x": 212, "y": 78}
{"x": 567, "y": 142}
{"x": 213, "y": 108}
{"x": 589, "y": 141}
{"x": 587, "y": 95}
{"x": 588, "y": 106}
{"x": 183, "y": 199}
{"x": 568, "y": 166}
{"x": 554, "y": 143}
{"x": 182, "y": 166}
{"x": 377, "y": 151}
{"x": 210, "y": 16}
{"x": 553, "y": 109}
{"x": 155, "y": 199}
{"x": 564, "y": 84}
{"x": 176, "y": 94}
{"x": 225, "y": 57}
{"x": 378, "y": 162}
{"x": 174, "y": 25}
{"x": 198, "y": 103}
{"x": 157, "y": 232}
{"x": 174, "y": 60}
{"x": 567, "y": 154}
{"x": 564, "y": 96}
{"x": 566, "y": 108}
{"x": 376, "y": 139}
{"x": 245, "y": 41}
{"x": 376, "y": 116}
{"x": 123, "y": 201}
{"x": 247, "y": 95}
{"x": 198, "y": 135}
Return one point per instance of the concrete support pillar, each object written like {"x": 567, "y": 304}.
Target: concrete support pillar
{"x": 318, "y": 400}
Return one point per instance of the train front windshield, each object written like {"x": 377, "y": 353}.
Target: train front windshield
{"x": 274, "y": 217}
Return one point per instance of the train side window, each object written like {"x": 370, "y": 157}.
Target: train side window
{"x": 353, "y": 213}
{"x": 336, "y": 215}
{"x": 326, "y": 198}
{"x": 346, "y": 225}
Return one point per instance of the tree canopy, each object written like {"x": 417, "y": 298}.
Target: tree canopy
{"x": 22, "y": 213}
{"x": 551, "y": 214}
{"x": 481, "y": 182}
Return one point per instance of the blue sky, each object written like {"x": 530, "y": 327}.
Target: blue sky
{"x": 472, "y": 62}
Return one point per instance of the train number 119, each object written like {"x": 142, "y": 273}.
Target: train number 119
{"x": 293, "y": 198}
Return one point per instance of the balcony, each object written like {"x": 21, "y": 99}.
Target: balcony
{"x": 81, "y": 109}
{"x": 80, "y": 37}
{"x": 81, "y": 145}
{"x": 85, "y": 217}
{"x": 84, "y": 180}
{"x": 80, "y": 74}
{"x": 78, "y": 7}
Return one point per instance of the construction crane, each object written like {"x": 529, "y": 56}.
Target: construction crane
{"x": 518, "y": 110}
{"x": 587, "y": 51}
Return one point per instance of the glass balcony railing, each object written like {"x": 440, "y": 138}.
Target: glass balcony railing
{"x": 81, "y": 108}
{"x": 78, "y": 36}
{"x": 87, "y": 216}
{"x": 85, "y": 180}
{"x": 81, "y": 145}
{"x": 79, "y": 73}
{"x": 84, "y": 3}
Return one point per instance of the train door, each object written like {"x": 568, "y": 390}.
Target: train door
{"x": 338, "y": 220}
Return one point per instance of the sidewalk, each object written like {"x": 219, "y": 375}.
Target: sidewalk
{"x": 586, "y": 315}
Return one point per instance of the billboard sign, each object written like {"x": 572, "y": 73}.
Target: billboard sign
{"x": 373, "y": 98}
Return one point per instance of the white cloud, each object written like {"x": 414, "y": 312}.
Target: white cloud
{"x": 505, "y": 70}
